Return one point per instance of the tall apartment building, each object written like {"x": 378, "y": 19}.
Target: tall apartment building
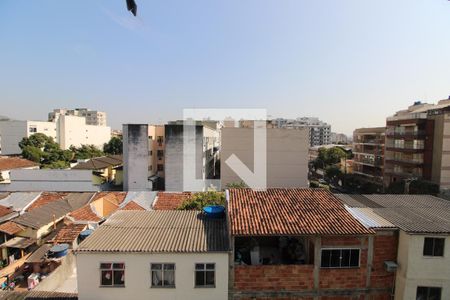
{"x": 319, "y": 131}
{"x": 92, "y": 117}
{"x": 66, "y": 131}
{"x": 206, "y": 141}
{"x": 418, "y": 144}
{"x": 368, "y": 150}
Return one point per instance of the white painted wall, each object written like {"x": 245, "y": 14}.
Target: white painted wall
{"x": 27, "y": 180}
{"x": 73, "y": 130}
{"x": 417, "y": 270}
{"x": 138, "y": 276}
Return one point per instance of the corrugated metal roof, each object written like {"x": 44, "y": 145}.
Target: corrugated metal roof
{"x": 19, "y": 200}
{"x": 38, "y": 255}
{"x": 369, "y": 218}
{"x": 158, "y": 231}
{"x": 77, "y": 200}
{"x": 411, "y": 213}
{"x": 98, "y": 163}
{"x": 296, "y": 211}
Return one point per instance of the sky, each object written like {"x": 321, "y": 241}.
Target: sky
{"x": 351, "y": 63}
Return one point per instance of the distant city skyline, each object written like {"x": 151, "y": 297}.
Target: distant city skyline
{"x": 350, "y": 63}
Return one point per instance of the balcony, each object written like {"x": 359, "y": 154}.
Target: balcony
{"x": 404, "y": 161}
{"x": 406, "y": 134}
{"x": 374, "y": 142}
{"x": 367, "y": 161}
{"x": 407, "y": 173}
{"x": 405, "y": 147}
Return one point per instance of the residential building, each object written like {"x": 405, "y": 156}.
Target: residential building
{"x": 155, "y": 255}
{"x": 157, "y": 153}
{"x": 319, "y": 131}
{"x": 368, "y": 151}
{"x": 204, "y": 155}
{"x": 286, "y": 158}
{"x": 423, "y": 222}
{"x": 66, "y": 131}
{"x": 106, "y": 170}
{"x": 136, "y": 158}
{"x": 8, "y": 163}
{"x": 92, "y": 117}
{"x": 418, "y": 144}
{"x": 303, "y": 243}
{"x": 339, "y": 138}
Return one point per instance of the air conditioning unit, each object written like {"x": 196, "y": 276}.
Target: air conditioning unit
{"x": 390, "y": 266}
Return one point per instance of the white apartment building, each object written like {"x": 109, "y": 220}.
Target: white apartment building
{"x": 155, "y": 255}
{"x": 93, "y": 117}
{"x": 66, "y": 131}
{"x": 319, "y": 131}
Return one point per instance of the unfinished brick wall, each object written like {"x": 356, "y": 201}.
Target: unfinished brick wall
{"x": 277, "y": 277}
{"x": 385, "y": 248}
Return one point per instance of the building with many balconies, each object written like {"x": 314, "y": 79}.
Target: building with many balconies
{"x": 368, "y": 150}
{"x": 418, "y": 144}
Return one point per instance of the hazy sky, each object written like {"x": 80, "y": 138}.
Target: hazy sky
{"x": 350, "y": 63}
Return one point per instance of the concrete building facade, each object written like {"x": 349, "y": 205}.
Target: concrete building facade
{"x": 66, "y": 131}
{"x": 206, "y": 142}
{"x": 368, "y": 150}
{"x": 136, "y": 157}
{"x": 92, "y": 117}
{"x": 319, "y": 131}
{"x": 157, "y": 137}
{"x": 286, "y": 156}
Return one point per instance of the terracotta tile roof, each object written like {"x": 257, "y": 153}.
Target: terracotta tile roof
{"x": 11, "y": 228}
{"x": 85, "y": 213}
{"x": 170, "y": 200}
{"x": 98, "y": 163}
{"x": 299, "y": 211}
{"x": 113, "y": 197}
{"x": 68, "y": 233}
{"x": 4, "y": 211}
{"x": 132, "y": 206}
{"x": 11, "y": 163}
{"x": 45, "y": 198}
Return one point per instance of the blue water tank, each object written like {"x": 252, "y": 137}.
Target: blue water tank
{"x": 214, "y": 211}
{"x": 59, "y": 250}
{"x": 85, "y": 233}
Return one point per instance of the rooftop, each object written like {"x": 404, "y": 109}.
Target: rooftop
{"x": 99, "y": 163}
{"x": 45, "y": 198}
{"x": 297, "y": 211}
{"x": 68, "y": 233}
{"x": 11, "y": 228}
{"x": 169, "y": 231}
{"x": 19, "y": 200}
{"x": 411, "y": 213}
{"x": 170, "y": 200}
{"x": 11, "y": 163}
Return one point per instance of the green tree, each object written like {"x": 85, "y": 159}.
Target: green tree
{"x": 114, "y": 146}
{"x": 331, "y": 156}
{"x": 86, "y": 152}
{"x": 333, "y": 173}
{"x": 237, "y": 185}
{"x": 199, "y": 200}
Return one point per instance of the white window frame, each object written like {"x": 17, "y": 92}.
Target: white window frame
{"x": 112, "y": 274}
{"x": 341, "y": 248}
{"x": 162, "y": 275}
{"x": 204, "y": 270}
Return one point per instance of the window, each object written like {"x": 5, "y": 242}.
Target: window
{"x": 159, "y": 154}
{"x": 428, "y": 293}
{"x": 163, "y": 275}
{"x": 160, "y": 140}
{"x": 340, "y": 258}
{"x": 112, "y": 274}
{"x": 433, "y": 247}
{"x": 205, "y": 275}
{"x": 32, "y": 129}
{"x": 160, "y": 167}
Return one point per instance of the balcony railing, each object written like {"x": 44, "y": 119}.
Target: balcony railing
{"x": 405, "y": 146}
{"x": 404, "y": 173}
{"x": 408, "y": 117}
{"x": 416, "y": 161}
{"x": 375, "y": 163}
{"x": 415, "y": 133}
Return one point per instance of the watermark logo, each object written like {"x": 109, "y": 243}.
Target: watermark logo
{"x": 199, "y": 144}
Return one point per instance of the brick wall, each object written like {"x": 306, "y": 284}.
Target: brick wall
{"x": 281, "y": 277}
{"x": 385, "y": 248}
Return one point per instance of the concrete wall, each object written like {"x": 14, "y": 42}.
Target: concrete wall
{"x": 287, "y": 155}
{"x": 138, "y": 276}
{"x": 418, "y": 270}
{"x": 136, "y": 158}
{"x": 174, "y": 156}
{"x": 57, "y": 278}
{"x": 50, "y": 180}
